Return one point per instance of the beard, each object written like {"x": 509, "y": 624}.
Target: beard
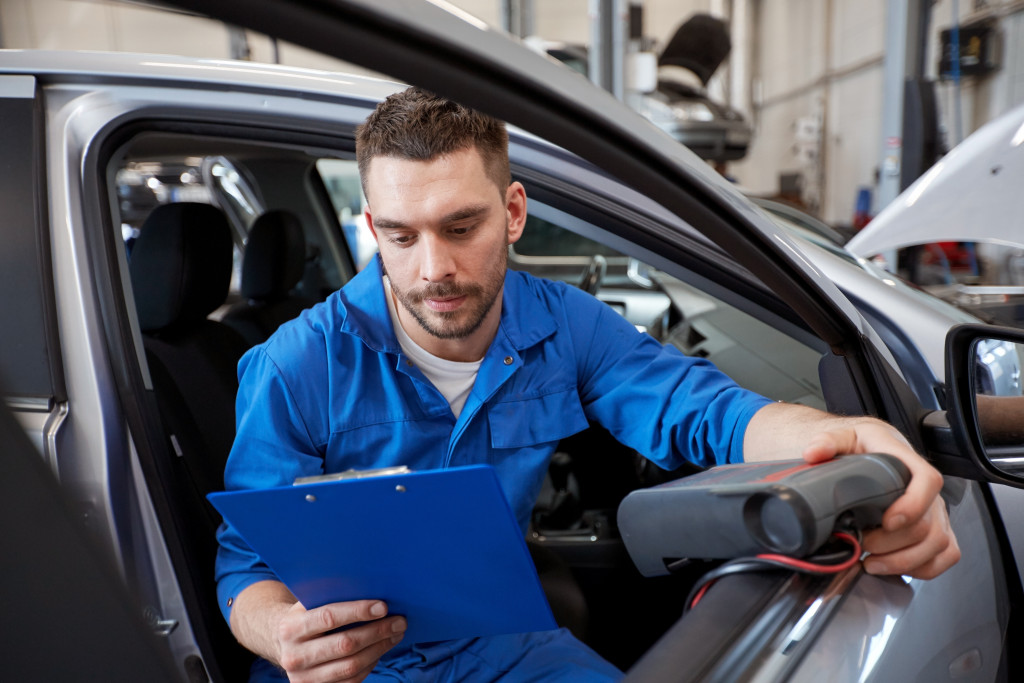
{"x": 467, "y": 319}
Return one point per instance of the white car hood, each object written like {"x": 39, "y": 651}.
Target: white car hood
{"x": 973, "y": 194}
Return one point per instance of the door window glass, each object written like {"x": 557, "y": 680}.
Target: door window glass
{"x": 754, "y": 353}
{"x": 341, "y": 178}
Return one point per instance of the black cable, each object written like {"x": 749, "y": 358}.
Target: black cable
{"x": 824, "y": 563}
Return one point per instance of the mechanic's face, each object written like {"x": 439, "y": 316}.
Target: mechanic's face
{"x": 443, "y": 228}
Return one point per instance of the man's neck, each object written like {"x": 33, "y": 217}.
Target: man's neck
{"x": 465, "y": 349}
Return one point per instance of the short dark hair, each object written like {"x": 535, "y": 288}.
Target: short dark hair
{"x": 417, "y": 125}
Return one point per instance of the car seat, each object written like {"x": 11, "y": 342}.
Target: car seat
{"x": 274, "y": 262}
{"x": 180, "y": 270}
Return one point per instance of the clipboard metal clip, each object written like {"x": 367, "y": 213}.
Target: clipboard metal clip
{"x": 352, "y": 474}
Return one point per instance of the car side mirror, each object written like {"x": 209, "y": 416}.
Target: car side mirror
{"x": 986, "y": 397}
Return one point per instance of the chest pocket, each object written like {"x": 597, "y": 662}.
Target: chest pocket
{"x": 533, "y": 421}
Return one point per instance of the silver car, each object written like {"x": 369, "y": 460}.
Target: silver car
{"x": 99, "y": 147}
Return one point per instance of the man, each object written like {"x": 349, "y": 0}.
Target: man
{"x": 437, "y": 356}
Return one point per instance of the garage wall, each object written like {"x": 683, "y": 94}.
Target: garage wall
{"x": 811, "y": 84}
{"x": 99, "y": 25}
{"x": 565, "y": 20}
{"x": 76, "y": 25}
{"x": 816, "y": 105}
{"x": 1011, "y": 80}
{"x": 982, "y": 99}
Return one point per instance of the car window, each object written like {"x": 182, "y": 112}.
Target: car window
{"x": 543, "y": 238}
{"x": 949, "y": 309}
{"x": 341, "y": 178}
{"x": 237, "y": 195}
{"x": 754, "y": 353}
{"x": 143, "y": 184}
{"x": 244, "y": 180}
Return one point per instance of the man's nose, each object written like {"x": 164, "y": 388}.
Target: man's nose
{"x": 437, "y": 262}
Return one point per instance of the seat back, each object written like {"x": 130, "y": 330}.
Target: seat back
{"x": 180, "y": 269}
{"x": 274, "y": 263}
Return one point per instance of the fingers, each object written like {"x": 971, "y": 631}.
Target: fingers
{"x": 915, "y": 538}
{"x": 829, "y": 444}
{"x": 871, "y": 436}
{"x": 922, "y": 492}
{"x": 923, "y": 549}
{"x": 354, "y": 667}
{"x": 925, "y": 481}
{"x": 304, "y": 623}
{"x": 313, "y": 650}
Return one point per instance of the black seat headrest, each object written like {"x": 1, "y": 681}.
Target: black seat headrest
{"x": 275, "y": 256}
{"x": 180, "y": 266}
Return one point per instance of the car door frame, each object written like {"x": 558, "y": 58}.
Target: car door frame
{"x": 156, "y": 567}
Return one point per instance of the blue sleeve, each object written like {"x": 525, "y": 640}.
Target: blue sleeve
{"x": 667, "y": 406}
{"x": 272, "y": 446}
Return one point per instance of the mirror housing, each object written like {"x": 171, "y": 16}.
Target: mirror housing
{"x": 985, "y": 406}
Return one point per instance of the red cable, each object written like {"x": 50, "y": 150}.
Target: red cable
{"x": 701, "y": 592}
{"x": 820, "y": 568}
{"x": 801, "y": 565}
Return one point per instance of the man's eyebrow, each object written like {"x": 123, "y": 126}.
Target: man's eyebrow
{"x": 465, "y": 213}
{"x": 388, "y": 224}
{"x": 461, "y": 214}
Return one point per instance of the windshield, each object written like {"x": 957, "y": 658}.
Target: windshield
{"x": 807, "y": 236}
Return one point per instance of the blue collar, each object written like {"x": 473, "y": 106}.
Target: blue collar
{"x": 525, "y": 321}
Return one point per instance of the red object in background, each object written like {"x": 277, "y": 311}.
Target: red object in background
{"x": 862, "y": 209}
{"x": 860, "y": 220}
{"x": 956, "y": 255}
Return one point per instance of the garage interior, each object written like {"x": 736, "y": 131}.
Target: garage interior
{"x": 847, "y": 101}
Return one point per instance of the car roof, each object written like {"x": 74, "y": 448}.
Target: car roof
{"x": 167, "y": 69}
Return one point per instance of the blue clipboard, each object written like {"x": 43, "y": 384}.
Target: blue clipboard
{"x": 440, "y": 547}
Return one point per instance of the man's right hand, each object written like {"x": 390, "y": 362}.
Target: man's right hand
{"x": 267, "y": 619}
{"x": 311, "y": 649}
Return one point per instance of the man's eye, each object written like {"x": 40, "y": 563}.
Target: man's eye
{"x": 400, "y": 239}
{"x": 462, "y": 231}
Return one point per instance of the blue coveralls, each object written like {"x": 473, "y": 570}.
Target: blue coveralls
{"x": 332, "y": 390}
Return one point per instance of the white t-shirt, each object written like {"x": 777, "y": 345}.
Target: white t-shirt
{"x": 453, "y": 379}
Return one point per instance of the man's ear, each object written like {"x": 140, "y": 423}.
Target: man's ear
{"x": 369, "y": 222}
{"x": 515, "y": 208}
